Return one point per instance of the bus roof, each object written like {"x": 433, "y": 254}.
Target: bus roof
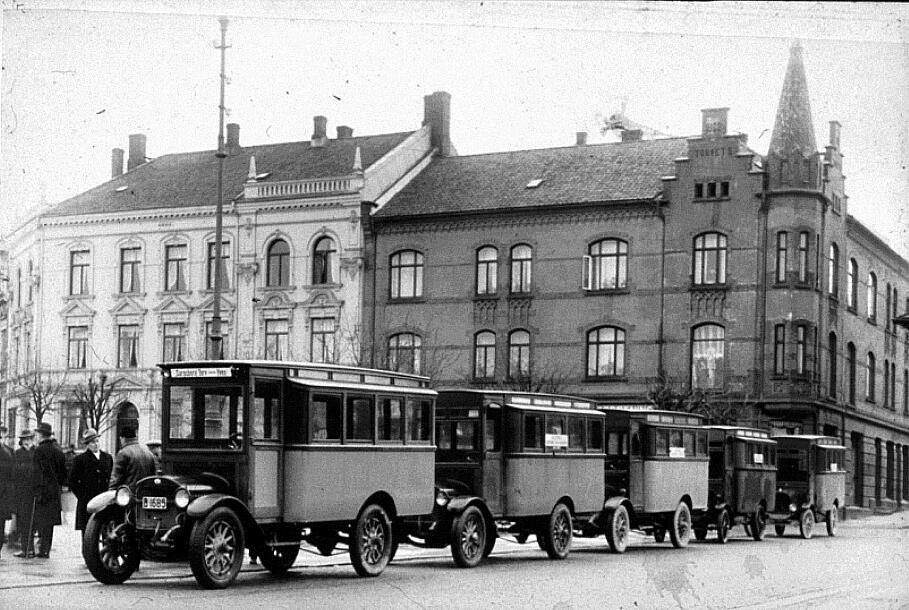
{"x": 654, "y": 416}
{"x": 827, "y": 442}
{"x": 520, "y": 399}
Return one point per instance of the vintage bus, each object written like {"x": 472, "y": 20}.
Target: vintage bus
{"x": 264, "y": 455}
{"x": 655, "y": 474}
{"x": 811, "y": 481}
{"x": 741, "y": 481}
{"x": 516, "y": 463}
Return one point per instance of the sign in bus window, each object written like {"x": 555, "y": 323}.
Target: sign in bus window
{"x": 533, "y": 431}
{"x": 595, "y": 434}
{"x": 466, "y": 432}
{"x": 326, "y": 417}
{"x": 266, "y": 412}
{"x": 576, "y": 433}
{"x": 418, "y": 420}
{"x": 359, "y": 418}
{"x": 181, "y": 412}
{"x": 390, "y": 416}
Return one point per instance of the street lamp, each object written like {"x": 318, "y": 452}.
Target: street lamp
{"x": 215, "y": 338}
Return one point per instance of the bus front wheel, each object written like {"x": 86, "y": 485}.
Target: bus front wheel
{"x": 830, "y": 517}
{"x": 806, "y": 523}
{"x": 371, "y": 541}
{"x": 468, "y": 538}
{"x": 680, "y": 528}
{"x": 216, "y": 548}
{"x": 723, "y": 523}
{"x": 758, "y": 524}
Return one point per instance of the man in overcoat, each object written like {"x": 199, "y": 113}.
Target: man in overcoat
{"x": 134, "y": 461}
{"x": 7, "y": 474}
{"x": 90, "y": 475}
{"x": 51, "y": 467}
{"x": 24, "y": 496}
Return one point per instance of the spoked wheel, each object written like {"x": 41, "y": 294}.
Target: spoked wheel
{"x": 680, "y": 529}
{"x": 558, "y": 535}
{"x": 659, "y": 534}
{"x": 723, "y": 523}
{"x": 618, "y": 526}
{"x": 216, "y": 548}
{"x": 281, "y": 553}
{"x": 110, "y": 548}
{"x": 468, "y": 537}
{"x": 779, "y": 528}
{"x": 371, "y": 541}
{"x": 806, "y": 523}
{"x": 831, "y": 518}
{"x": 758, "y": 526}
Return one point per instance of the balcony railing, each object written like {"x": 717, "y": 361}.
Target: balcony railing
{"x": 302, "y": 188}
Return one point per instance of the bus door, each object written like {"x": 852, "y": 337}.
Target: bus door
{"x": 637, "y": 434}
{"x": 459, "y": 442}
{"x": 266, "y": 452}
{"x": 492, "y": 458}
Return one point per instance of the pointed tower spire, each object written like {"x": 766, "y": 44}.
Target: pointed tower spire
{"x": 358, "y": 163}
{"x": 251, "y": 176}
{"x": 793, "y": 130}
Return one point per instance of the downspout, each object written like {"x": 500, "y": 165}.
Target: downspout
{"x": 660, "y": 340}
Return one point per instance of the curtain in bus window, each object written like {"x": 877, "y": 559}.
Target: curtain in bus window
{"x": 466, "y": 433}
{"x": 615, "y": 443}
{"x": 676, "y": 444}
{"x": 359, "y": 419}
{"x": 418, "y": 414}
{"x": 390, "y": 415}
{"x": 326, "y": 417}
{"x": 443, "y": 434}
{"x": 181, "y": 412}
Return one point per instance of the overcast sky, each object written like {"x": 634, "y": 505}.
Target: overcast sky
{"x": 79, "y": 77}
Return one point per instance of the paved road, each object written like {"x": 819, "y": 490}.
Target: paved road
{"x": 866, "y": 566}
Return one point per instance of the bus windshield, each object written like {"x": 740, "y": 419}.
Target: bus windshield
{"x": 206, "y": 416}
{"x": 792, "y": 465}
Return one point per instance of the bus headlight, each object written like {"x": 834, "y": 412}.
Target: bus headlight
{"x": 124, "y": 496}
{"x": 181, "y": 498}
{"x": 792, "y": 508}
{"x": 442, "y": 498}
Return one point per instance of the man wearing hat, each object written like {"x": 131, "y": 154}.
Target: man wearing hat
{"x": 51, "y": 467}
{"x": 134, "y": 461}
{"x": 24, "y": 499}
{"x": 90, "y": 474}
{"x": 7, "y": 474}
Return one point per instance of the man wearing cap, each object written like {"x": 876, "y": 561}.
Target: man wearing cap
{"x": 7, "y": 474}
{"x": 90, "y": 475}
{"x": 24, "y": 500}
{"x": 134, "y": 461}
{"x": 51, "y": 467}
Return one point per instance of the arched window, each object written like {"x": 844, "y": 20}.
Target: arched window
{"x": 782, "y": 249}
{"x": 487, "y": 269}
{"x": 708, "y": 347}
{"x": 872, "y": 297}
{"x": 519, "y": 354}
{"x": 710, "y": 259}
{"x": 278, "y": 264}
{"x": 851, "y": 366}
{"x": 887, "y": 315}
{"x": 484, "y": 355}
{"x": 323, "y": 260}
{"x": 406, "y": 274}
{"x": 521, "y": 272}
{"x": 869, "y": 377}
{"x": 852, "y": 285}
{"x": 605, "y": 352}
{"x": 832, "y": 364}
{"x": 607, "y": 266}
{"x": 405, "y": 353}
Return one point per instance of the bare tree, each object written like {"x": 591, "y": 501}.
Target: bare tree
{"x": 42, "y": 389}
{"x": 96, "y": 399}
{"x": 549, "y": 378}
{"x": 717, "y": 407}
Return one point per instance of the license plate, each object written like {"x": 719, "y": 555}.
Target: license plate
{"x": 154, "y": 503}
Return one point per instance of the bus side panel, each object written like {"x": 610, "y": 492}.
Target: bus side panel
{"x": 751, "y": 486}
{"x": 829, "y": 486}
{"x": 665, "y": 481}
{"x": 332, "y": 483}
{"x": 534, "y": 482}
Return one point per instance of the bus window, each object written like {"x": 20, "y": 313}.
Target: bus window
{"x": 533, "y": 431}
{"x": 418, "y": 415}
{"x": 792, "y": 465}
{"x": 689, "y": 443}
{"x": 635, "y": 444}
{"x": 266, "y": 411}
{"x": 466, "y": 433}
{"x": 576, "y": 433}
{"x": 615, "y": 443}
{"x": 295, "y": 414}
{"x": 594, "y": 434}
{"x": 702, "y": 443}
{"x": 359, "y": 419}
{"x": 222, "y": 418}
{"x": 493, "y": 422}
{"x": 443, "y": 434}
{"x": 181, "y": 412}
{"x": 326, "y": 417}
{"x": 661, "y": 442}
{"x": 716, "y": 461}
{"x": 389, "y": 416}
{"x": 555, "y": 424}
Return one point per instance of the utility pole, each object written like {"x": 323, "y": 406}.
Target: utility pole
{"x": 215, "y": 338}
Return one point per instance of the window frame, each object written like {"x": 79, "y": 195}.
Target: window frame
{"x": 175, "y": 268}
{"x": 325, "y": 342}
{"x": 779, "y": 349}
{"x": 523, "y": 353}
{"x": 78, "y": 272}
{"x": 273, "y": 339}
{"x": 129, "y": 343}
{"x": 871, "y": 297}
{"x": 605, "y": 255}
{"x": 703, "y": 252}
{"x": 595, "y": 345}
{"x": 174, "y": 340}
{"x": 277, "y": 264}
{"x": 323, "y": 261}
{"x": 696, "y": 342}
{"x": 484, "y": 359}
{"x": 130, "y": 282}
{"x": 521, "y": 269}
{"x": 487, "y": 281}
{"x": 225, "y": 264}
{"x": 81, "y": 347}
{"x": 395, "y": 350}
{"x": 804, "y": 256}
{"x": 782, "y": 252}
{"x": 403, "y": 272}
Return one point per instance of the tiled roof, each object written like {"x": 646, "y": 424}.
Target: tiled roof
{"x": 190, "y": 179}
{"x": 577, "y": 174}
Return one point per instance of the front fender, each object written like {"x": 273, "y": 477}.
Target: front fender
{"x": 205, "y": 504}
{"x": 457, "y": 504}
{"x": 101, "y": 501}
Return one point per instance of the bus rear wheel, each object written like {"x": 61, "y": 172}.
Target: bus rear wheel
{"x": 468, "y": 538}
{"x": 371, "y": 541}
{"x": 618, "y": 525}
{"x": 723, "y": 523}
{"x": 680, "y": 528}
{"x": 558, "y": 533}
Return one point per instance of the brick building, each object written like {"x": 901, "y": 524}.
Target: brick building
{"x": 610, "y": 270}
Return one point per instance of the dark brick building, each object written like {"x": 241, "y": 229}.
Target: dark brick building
{"x": 610, "y": 270}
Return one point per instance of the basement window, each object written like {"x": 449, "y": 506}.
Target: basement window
{"x": 535, "y": 183}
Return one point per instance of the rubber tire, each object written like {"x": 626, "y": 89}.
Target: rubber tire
{"x": 558, "y": 533}
{"x": 723, "y": 525}
{"x": 618, "y": 527}
{"x": 831, "y": 518}
{"x": 468, "y": 537}
{"x": 700, "y": 534}
{"x": 680, "y": 532}
{"x": 806, "y": 524}
{"x": 128, "y": 559}
{"x": 659, "y": 534}
{"x": 365, "y": 560}
{"x": 278, "y": 560}
{"x": 758, "y": 526}
{"x": 231, "y": 531}
{"x": 780, "y": 529}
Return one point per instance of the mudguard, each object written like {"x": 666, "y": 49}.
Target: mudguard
{"x": 205, "y": 504}
{"x": 457, "y": 504}
{"x": 613, "y": 503}
{"x": 101, "y": 501}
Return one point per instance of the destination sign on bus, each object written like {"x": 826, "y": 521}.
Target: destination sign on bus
{"x": 220, "y": 371}
{"x": 557, "y": 441}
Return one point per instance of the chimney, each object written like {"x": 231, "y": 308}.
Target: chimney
{"x": 437, "y": 114}
{"x": 116, "y": 162}
{"x": 318, "y": 135}
{"x": 233, "y": 137}
{"x": 835, "y": 128}
{"x": 632, "y": 135}
{"x": 136, "y": 151}
{"x": 345, "y": 132}
{"x": 713, "y": 122}
{"x": 581, "y": 138}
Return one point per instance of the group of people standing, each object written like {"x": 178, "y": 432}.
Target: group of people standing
{"x": 32, "y": 478}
